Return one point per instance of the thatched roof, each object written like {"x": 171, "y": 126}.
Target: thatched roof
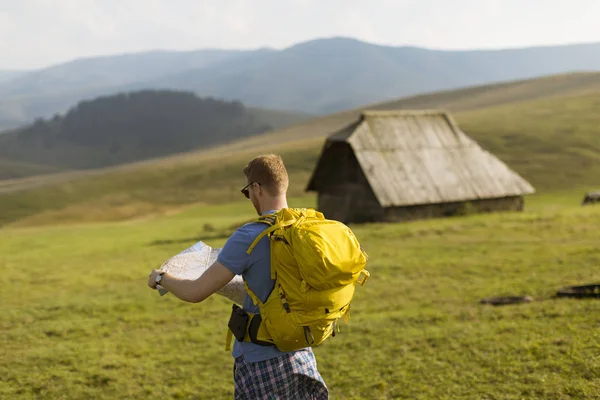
{"x": 422, "y": 157}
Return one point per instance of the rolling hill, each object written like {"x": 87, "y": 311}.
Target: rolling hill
{"x": 456, "y": 101}
{"x": 14, "y": 169}
{"x": 471, "y": 98}
{"x": 319, "y": 76}
{"x": 129, "y": 127}
{"x": 554, "y": 142}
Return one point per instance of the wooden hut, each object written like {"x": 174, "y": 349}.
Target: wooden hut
{"x": 404, "y": 165}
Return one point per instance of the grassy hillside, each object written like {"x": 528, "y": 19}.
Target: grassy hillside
{"x": 466, "y": 99}
{"x": 79, "y": 321}
{"x": 553, "y": 164}
{"x": 552, "y": 142}
{"x": 555, "y": 142}
{"x": 146, "y": 189}
{"x": 13, "y": 169}
{"x": 278, "y": 119}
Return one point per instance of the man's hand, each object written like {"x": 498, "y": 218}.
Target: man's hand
{"x": 196, "y": 290}
{"x": 152, "y": 278}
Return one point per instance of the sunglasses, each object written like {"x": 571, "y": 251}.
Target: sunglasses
{"x": 245, "y": 189}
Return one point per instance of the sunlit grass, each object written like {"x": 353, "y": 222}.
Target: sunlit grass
{"x": 79, "y": 322}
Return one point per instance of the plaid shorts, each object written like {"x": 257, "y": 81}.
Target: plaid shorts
{"x": 290, "y": 376}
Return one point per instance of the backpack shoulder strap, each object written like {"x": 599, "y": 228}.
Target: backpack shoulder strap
{"x": 252, "y": 295}
{"x": 274, "y": 222}
{"x": 260, "y": 236}
{"x": 268, "y": 219}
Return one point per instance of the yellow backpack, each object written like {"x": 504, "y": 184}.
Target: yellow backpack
{"x": 315, "y": 263}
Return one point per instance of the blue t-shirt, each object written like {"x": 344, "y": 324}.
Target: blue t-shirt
{"x": 256, "y": 269}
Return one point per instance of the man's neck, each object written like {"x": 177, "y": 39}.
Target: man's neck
{"x": 273, "y": 204}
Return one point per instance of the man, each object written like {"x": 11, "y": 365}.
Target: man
{"x": 260, "y": 372}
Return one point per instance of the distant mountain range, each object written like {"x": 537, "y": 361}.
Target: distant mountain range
{"x": 318, "y": 77}
{"x": 9, "y": 75}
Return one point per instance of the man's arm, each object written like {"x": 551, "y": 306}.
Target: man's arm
{"x": 194, "y": 291}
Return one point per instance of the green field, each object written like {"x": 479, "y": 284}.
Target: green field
{"x": 79, "y": 322}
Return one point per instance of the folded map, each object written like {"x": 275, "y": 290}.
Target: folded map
{"x": 192, "y": 262}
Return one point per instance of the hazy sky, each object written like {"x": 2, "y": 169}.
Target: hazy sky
{"x": 36, "y": 33}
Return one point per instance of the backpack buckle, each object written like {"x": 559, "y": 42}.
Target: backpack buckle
{"x": 365, "y": 275}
